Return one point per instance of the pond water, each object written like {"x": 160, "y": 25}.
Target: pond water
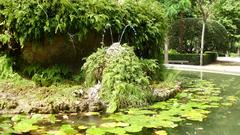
{"x": 223, "y": 120}
{"x": 199, "y": 110}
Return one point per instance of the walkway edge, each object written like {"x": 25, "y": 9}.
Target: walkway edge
{"x": 203, "y": 69}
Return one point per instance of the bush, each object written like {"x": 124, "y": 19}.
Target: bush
{"x": 30, "y": 20}
{"x": 125, "y": 79}
{"x": 47, "y": 76}
{"x": 216, "y": 36}
{"x": 6, "y": 69}
{"x": 213, "y": 55}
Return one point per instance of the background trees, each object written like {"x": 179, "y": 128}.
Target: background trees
{"x": 227, "y": 12}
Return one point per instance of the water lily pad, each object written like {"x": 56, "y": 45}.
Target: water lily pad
{"x": 133, "y": 128}
{"x": 82, "y": 127}
{"x": 64, "y": 130}
{"x": 161, "y": 132}
{"x": 103, "y": 131}
{"x": 136, "y": 111}
{"x": 25, "y": 126}
{"x": 195, "y": 115}
{"x": 114, "y": 124}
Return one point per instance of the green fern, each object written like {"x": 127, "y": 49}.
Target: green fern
{"x": 125, "y": 80}
{"x": 6, "y": 70}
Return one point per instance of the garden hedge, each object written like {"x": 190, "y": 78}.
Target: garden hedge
{"x": 216, "y": 36}
{"x": 194, "y": 59}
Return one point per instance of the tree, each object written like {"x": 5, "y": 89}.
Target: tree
{"x": 216, "y": 36}
{"x": 227, "y": 12}
{"x": 237, "y": 44}
{"x": 173, "y": 9}
{"x": 204, "y": 7}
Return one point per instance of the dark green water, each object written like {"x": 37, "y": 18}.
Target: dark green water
{"x": 223, "y": 120}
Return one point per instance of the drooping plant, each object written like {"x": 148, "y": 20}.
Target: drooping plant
{"x": 29, "y": 20}
{"x": 125, "y": 80}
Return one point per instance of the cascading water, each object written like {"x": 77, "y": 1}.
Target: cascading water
{"x": 124, "y": 30}
{"x": 108, "y": 26}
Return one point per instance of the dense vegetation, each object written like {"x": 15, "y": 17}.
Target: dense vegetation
{"x": 28, "y": 20}
{"x": 216, "y": 36}
{"x": 124, "y": 77}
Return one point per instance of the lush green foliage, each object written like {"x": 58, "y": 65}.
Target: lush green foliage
{"x": 47, "y": 76}
{"x": 216, "y": 36}
{"x": 29, "y": 20}
{"x": 228, "y": 12}
{"x": 173, "y": 7}
{"x": 125, "y": 80}
{"x": 6, "y": 69}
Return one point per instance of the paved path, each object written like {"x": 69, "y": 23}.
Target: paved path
{"x": 224, "y": 65}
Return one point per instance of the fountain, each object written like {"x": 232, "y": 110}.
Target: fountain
{"x": 108, "y": 26}
{"x": 116, "y": 48}
{"x": 94, "y": 101}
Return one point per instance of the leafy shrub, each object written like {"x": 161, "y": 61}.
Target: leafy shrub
{"x": 173, "y": 51}
{"x": 30, "y": 20}
{"x": 216, "y": 36}
{"x": 125, "y": 80}
{"x": 6, "y": 69}
{"x": 47, "y": 76}
{"x": 234, "y": 55}
{"x": 213, "y": 55}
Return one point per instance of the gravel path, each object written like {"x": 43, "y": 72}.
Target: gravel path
{"x": 225, "y": 65}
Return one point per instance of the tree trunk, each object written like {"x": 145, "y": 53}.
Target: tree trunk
{"x": 238, "y": 51}
{"x": 181, "y": 31}
{"x": 202, "y": 42}
{"x": 166, "y": 44}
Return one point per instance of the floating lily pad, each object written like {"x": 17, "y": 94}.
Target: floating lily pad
{"x": 103, "y": 131}
{"x": 161, "y": 132}
{"x": 82, "y": 127}
{"x": 25, "y": 126}
{"x": 114, "y": 124}
{"x": 133, "y": 129}
{"x": 136, "y": 111}
{"x": 64, "y": 130}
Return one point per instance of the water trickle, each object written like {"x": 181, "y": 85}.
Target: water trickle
{"x": 93, "y": 92}
{"x": 124, "y": 30}
{"x": 108, "y": 26}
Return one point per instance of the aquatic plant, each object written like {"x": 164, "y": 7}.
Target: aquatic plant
{"x": 193, "y": 104}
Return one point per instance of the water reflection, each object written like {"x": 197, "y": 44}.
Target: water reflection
{"x": 222, "y": 121}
